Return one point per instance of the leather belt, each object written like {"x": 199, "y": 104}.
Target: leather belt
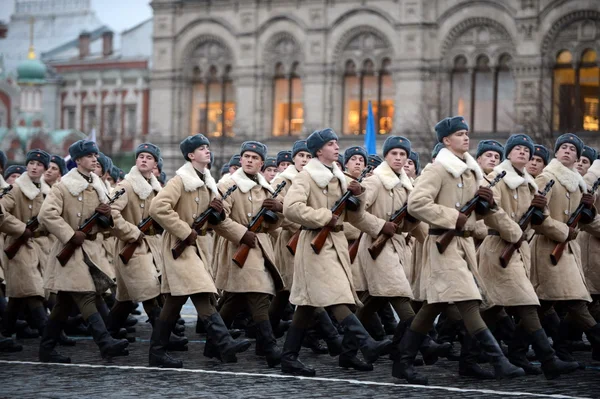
{"x": 106, "y": 234}
{"x": 151, "y": 231}
{"x": 493, "y": 233}
{"x": 92, "y": 236}
{"x": 38, "y": 234}
{"x": 462, "y": 233}
{"x": 335, "y": 229}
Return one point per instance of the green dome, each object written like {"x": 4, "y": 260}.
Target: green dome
{"x": 31, "y": 71}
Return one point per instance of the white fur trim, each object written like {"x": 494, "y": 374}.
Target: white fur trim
{"x": 512, "y": 178}
{"x": 569, "y": 178}
{"x": 191, "y": 180}
{"x": 3, "y": 183}
{"x": 75, "y": 183}
{"x": 456, "y": 167}
{"x": 389, "y": 179}
{"x": 225, "y": 177}
{"x": 29, "y": 189}
{"x": 594, "y": 169}
{"x": 322, "y": 175}
{"x": 289, "y": 173}
{"x": 140, "y": 185}
{"x": 246, "y": 184}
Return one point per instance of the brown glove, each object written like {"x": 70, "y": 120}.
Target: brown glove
{"x": 461, "y": 221}
{"x": 103, "y": 209}
{"x": 355, "y": 188}
{"x": 539, "y": 201}
{"x": 389, "y": 229}
{"x": 333, "y": 221}
{"x": 78, "y": 238}
{"x": 191, "y": 239}
{"x": 486, "y": 194}
{"x": 216, "y": 204}
{"x": 249, "y": 239}
{"x": 572, "y": 234}
{"x": 273, "y": 204}
{"x": 27, "y": 234}
{"x": 588, "y": 200}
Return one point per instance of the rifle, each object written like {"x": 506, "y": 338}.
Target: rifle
{"x": 353, "y": 249}
{"x": 69, "y": 249}
{"x": 377, "y": 246}
{"x": 445, "y": 239}
{"x": 510, "y": 248}
{"x": 339, "y": 207}
{"x": 572, "y": 223}
{"x": 12, "y": 250}
{"x": 199, "y": 222}
{"x": 5, "y": 190}
{"x": 127, "y": 251}
{"x": 240, "y": 256}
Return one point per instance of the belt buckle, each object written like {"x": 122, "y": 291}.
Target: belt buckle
{"x": 467, "y": 234}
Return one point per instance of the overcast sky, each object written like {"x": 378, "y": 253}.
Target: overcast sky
{"x": 118, "y": 14}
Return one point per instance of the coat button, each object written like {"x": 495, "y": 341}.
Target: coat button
{"x": 249, "y": 215}
{"x": 391, "y": 194}
{"x": 324, "y": 191}
{"x": 249, "y": 198}
{"x": 568, "y": 195}
{"x": 566, "y": 212}
{"x": 512, "y": 214}
{"x": 194, "y": 216}
{"x": 460, "y": 185}
{"x": 78, "y": 214}
{"x": 30, "y": 206}
{"x": 389, "y": 213}
{"x": 141, "y": 205}
{"x": 79, "y": 198}
{"x": 197, "y": 199}
{"x": 515, "y": 196}
{"x": 457, "y": 205}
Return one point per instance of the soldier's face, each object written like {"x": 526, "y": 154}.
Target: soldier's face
{"x": 301, "y": 159}
{"x": 583, "y": 165}
{"x": 145, "y": 162}
{"x": 457, "y": 142}
{"x": 519, "y": 156}
{"x": 200, "y": 156}
{"x": 355, "y": 165}
{"x": 409, "y": 168}
{"x": 35, "y": 170}
{"x": 488, "y": 160}
{"x": 283, "y": 166}
{"x": 52, "y": 174}
{"x": 567, "y": 155}
{"x": 396, "y": 159}
{"x": 155, "y": 171}
{"x": 232, "y": 169}
{"x": 11, "y": 179}
{"x": 251, "y": 163}
{"x": 329, "y": 153}
{"x": 269, "y": 173}
{"x": 535, "y": 166}
{"x": 89, "y": 163}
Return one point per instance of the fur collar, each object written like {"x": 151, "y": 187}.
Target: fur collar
{"x": 594, "y": 169}
{"x": 3, "y": 183}
{"x": 225, "y": 177}
{"x": 456, "y": 167}
{"x": 322, "y": 175}
{"x": 29, "y": 189}
{"x": 191, "y": 180}
{"x": 75, "y": 183}
{"x": 246, "y": 184}
{"x": 569, "y": 178}
{"x": 389, "y": 179}
{"x": 289, "y": 173}
{"x": 140, "y": 185}
{"x": 512, "y": 178}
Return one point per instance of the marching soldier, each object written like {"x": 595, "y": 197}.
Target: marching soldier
{"x": 252, "y": 285}
{"x": 588, "y": 156}
{"x": 13, "y": 172}
{"x": 78, "y": 195}
{"x": 284, "y": 160}
{"x": 56, "y": 169}
{"x": 442, "y": 189}
{"x": 324, "y": 279}
{"x": 489, "y": 155}
{"x": 233, "y": 165}
{"x": 269, "y": 169}
{"x": 175, "y": 208}
{"x": 540, "y": 159}
{"x": 564, "y": 283}
{"x": 412, "y": 167}
{"x": 510, "y": 286}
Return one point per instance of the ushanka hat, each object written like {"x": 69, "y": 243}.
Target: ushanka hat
{"x": 234, "y": 161}
{"x": 356, "y": 150}
{"x": 374, "y": 161}
{"x": 14, "y": 169}
{"x": 81, "y": 148}
{"x": 284, "y": 156}
{"x": 114, "y": 173}
{"x": 447, "y": 126}
{"x": 105, "y": 162}
{"x": 38, "y": 155}
{"x": 519, "y": 139}
{"x": 60, "y": 162}
{"x": 396, "y": 142}
{"x": 150, "y": 149}
{"x": 299, "y": 146}
{"x": 490, "y": 145}
{"x": 3, "y": 159}
{"x": 589, "y": 153}
{"x": 271, "y": 162}
{"x": 190, "y": 143}
{"x": 318, "y": 139}
{"x": 436, "y": 150}
{"x": 569, "y": 138}
{"x": 414, "y": 156}
{"x": 256, "y": 147}
{"x": 543, "y": 153}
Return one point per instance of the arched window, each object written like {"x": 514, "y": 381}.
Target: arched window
{"x": 563, "y": 93}
{"x": 505, "y": 96}
{"x": 461, "y": 88}
{"x": 482, "y": 119}
{"x": 288, "y": 109}
{"x": 589, "y": 90}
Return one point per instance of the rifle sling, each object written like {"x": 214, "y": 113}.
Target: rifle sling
{"x": 335, "y": 229}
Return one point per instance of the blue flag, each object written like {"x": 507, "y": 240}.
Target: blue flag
{"x": 370, "y": 144}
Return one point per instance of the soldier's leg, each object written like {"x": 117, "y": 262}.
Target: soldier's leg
{"x": 370, "y": 318}
{"x": 161, "y": 333}
{"x": 39, "y": 316}
{"x": 388, "y": 318}
{"x": 594, "y": 307}
{"x": 11, "y": 314}
{"x": 276, "y": 311}
{"x": 56, "y": 321}
{"x": 500, "y": 323}
{"x": 580, "y": 314}
{"x": 328, "y": 332}
{"x": 231, "y": 304}
{"x": 259, "y": 304}
{"x": 118, "y": 315}
{"x": 219, "y": 342}
{"x": 522, "y": 338}
{"x": 290, "y": 364}
{"x": 109, "y": 347}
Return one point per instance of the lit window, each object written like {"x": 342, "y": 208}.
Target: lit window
{"x": 213, "y": 104}
{"x": 288, "y": 109}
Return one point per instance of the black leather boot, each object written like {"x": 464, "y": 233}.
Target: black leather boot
{"x": 109, "y": 347}
{"x": 397, "y": 338}
{"x": 403, "y": 367}
{"x": 348, "y": 358}
{"x": 467, "y": 363}
{"x": 312, "y": 341}
{"x": 280, "y": 327}
{"x": 370, "y": 348}
{"x": 291, "y": 350}
{"x": 24, "y": 331}
{"x": 517, "y": 352}
{"x": 39, "y": 318}
{"x": 388, "y": 318}
{"x": 7, "y": 345}
{"x": 502, "y": 367}
{"x": 504, "y": 330}
{"x": 593, "y": 335}
{"x": 64, "y": 340}
{"x": 200, "y": 327}
{"x": 374, "y": 327}
{"x": 158, "y": 355}
{"x": 558, "y": 331}
{"x": 268, "y": 343}
{"x": 329, "y": 333}
{"x": 47, "y": 353}
{"x": 176, "y": 343}
{"x": 219, "y": 335}
{"x": 432, "y": 351}
{"x": 552, "y": 366}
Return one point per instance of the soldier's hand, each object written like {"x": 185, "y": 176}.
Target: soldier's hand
{"x": 191, "y": 239}
{"x": 539, "y": 201}
{"x": 355, "y": 188}
{"x": 572, "y": 234}
{"x": 103, "y": 209}
{"x": 249, "y": 239}
{"x": 461, "y": 221}
{"x": 217, "y": 204}
{"x": 389, "y": 229}
{"x": 588, "y": 200}
{"x": 333, "y": 221}
{"x": 78, "y": 238}
{"x": 27, "y": 234}
{"x": 486, "y": 194}
{"x": 273, "y": 204}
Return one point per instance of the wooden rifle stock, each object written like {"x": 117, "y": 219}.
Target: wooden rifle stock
{"x": 445, "y": 239}
{"x": 510, "y": 248}
{"x": 572, "y": 223}
{"x": 197, "y": 225}
{"x": 318, "y": 242}
{"x": 377, "y": 245}
{"x": 241, "y": 255}
{"x": 127, "y": 251}
{"x": 69, "y": 249}
{"x": 292, "y": 244}
{"x": 12, "y": 250}
{"x": 353, "y": 249}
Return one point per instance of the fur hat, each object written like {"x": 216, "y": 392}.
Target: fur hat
{"x": 60, "y": 162}
{"x": 271, "y": 162}
{"x": 414, "y": 156}
{"x": 150, "y": 149}
{"x": 374, "y": 161}
{"x": 299, "y": 146}
{"x": 356, "y": 150}
{"x": 490, "y": 145}
{"x": 543, "y": 153}
{"x": 569, "y": 138}
{"x": 162, "y": 178}
{"x": 396, "y": 142}
{"x": 114, "y": 173}
{"x": 38, "y": 155}
{"x": 284, "y": 156}
{"x": 256, "y": 147}
{"x": 190, "y": 143}
{"x": 589, "y": 153}
{"x": 519, "y": 139}
{"x": 318, "y": 139}
{"x": 81, "y": 148}
{"x": 14, "y": 169}
{"x": 447, "y": 126}
{"x": 3, "y": 159}
{"x": 436, "y": 150}
{"x": 234, "y": 161}
{"x": 105, "y": 162}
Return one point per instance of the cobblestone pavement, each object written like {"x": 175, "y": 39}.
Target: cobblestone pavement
{"x": 129, "y": 377}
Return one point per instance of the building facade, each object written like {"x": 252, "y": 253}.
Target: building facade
{"x": 277, "y": 70}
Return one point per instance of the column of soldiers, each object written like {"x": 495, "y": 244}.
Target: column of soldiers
{"x": 359, "y": 247}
